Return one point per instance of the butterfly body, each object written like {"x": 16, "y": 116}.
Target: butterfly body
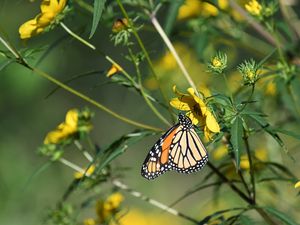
{"x": 179, "y": 149}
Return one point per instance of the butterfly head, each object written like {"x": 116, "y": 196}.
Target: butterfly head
{"x": 185, "y": 121}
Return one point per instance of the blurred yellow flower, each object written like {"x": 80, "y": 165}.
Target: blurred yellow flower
{"x": 49, "y": 10}
{"x": 253, "y": 7}
{"x": 297, "y": 185}
{"x": 198, "y": 111}
{"x": 89, "y": 221}
{"x": 65, "y": 129}
{"x": 270, "y": 89}
{"x": 115, "y": 68}
{"x": 194, "y": 8}
{"x": 137, "y": 217}
{"x": 220, "y": 152}
{"x": 105, "y": 210}
{"x": 89, "y": 172}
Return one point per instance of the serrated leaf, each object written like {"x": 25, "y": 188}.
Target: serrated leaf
{"x": 98, "y": 9}
{"x": 236, "y": 139}
{"x": 281, "y": 216}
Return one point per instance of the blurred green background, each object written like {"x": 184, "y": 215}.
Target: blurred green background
{"x": 27, "y": 115}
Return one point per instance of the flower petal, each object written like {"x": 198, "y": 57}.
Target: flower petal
{"x": 27, "y": 29}
{"x": 72, "y": 118}
{"x": 212, "y": 123}
{"x": 297, "y": 185}
{"x": 178, "y": 93}
{"x": 184, "y": 103}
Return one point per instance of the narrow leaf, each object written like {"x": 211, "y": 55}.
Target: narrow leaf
{"x": 286, "y": 132}
{"x": 237, "y": 139}
{"x": 281, "y": 216}
{"x": 98, "y": 9}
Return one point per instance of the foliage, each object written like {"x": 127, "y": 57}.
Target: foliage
{"x": 238, "y": 61}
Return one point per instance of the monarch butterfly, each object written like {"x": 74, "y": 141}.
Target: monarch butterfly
{"x": 178, "y": 149}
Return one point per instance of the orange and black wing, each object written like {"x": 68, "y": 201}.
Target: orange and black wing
{"x": 157, "y": 160}
{"x": 187, "y": 153}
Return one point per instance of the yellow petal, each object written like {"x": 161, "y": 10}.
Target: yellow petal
{"x": 54, "y": 137}
{"x": 297, "y": 185}
{"x": 244, "y": 164}
{"x": 113, "y": 70}
{"x": 185, "y": 103}
{"x": 202, "y": 105}
{"x": 89, "y": 221}
{"x": 189, "y": 8}
{"x": 209, "y": 10}
{"x": 178, "y": 93}
{"x": 27, "y": 29}
{"x": 193, "y": 117}
{"x": 220, "y": 152}
{"x": 211, "y": 122}
{"x": 72, "y": 118}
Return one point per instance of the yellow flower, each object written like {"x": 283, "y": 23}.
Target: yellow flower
{"x": 49, "y": 10}
{"x": 115, "y": 68}
{"x": 198, "y": 112}
{"x": 65, "y": 129}
{"x": 220, "y": 152}
{"x": 105, "y": 210}
{"x": 88, "y": 172}
{"x": 216, "y": 62}
{"x": 270, "y": 89}
{"x": 194, "y": 8}
{"x": 89, "y": 221}
{"x": 253, "y": 7}
{"x": 297, "y": 185}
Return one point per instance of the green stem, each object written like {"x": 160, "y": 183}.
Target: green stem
{"x": 80, "y": 39}
{"x": 252, "y": 175}
{"x": 21, "y": 61}
{"x": 145, "y": 52}
{"x": 93, "y": 102}
{"x": 294, "y": 98}
{"x": 249, "y": 98}
{"x": 127, "y": 75}
{"x": 228, "y": 87}
{"x": 84, "y": 152}
{"x": 149, "y": 103}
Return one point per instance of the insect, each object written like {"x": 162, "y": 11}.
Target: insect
{"x": 178, "y": 149}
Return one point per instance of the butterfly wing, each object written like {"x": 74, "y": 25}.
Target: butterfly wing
{"x": 187, "y": 153}
{"x": 157, "y": 160}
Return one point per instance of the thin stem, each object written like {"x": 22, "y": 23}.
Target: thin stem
{"x": 233, "y": 186}
{"x": 85, "y": 153}
{"x": 228, "y": 87}
{"x": 76, "y": 36}
{"x": 149, "y": 103}
{"x": 139, "y": 87}
{"x": 170, "y": 46}
{"x": 249, "y": 98}
{"x": 73, "y": 91}
{"x": 158, "y": 204}
{"x": 252, "y": 175}
{"x": 294, "y": 98}
{"x": 258, "y": 27}
{"x": 93, "y": 102}
{"x": 71, "y": 165}
{"x": 145, "y": 52}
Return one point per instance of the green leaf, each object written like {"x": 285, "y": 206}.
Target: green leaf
{"x": 172, "y": 15}
{"x": 237, "y": 139}
{"x": 119, "y": 146}
{"x": 286, "y": 132}
{"x": 281, "y": 216}
{"x": 98, "y": 9}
